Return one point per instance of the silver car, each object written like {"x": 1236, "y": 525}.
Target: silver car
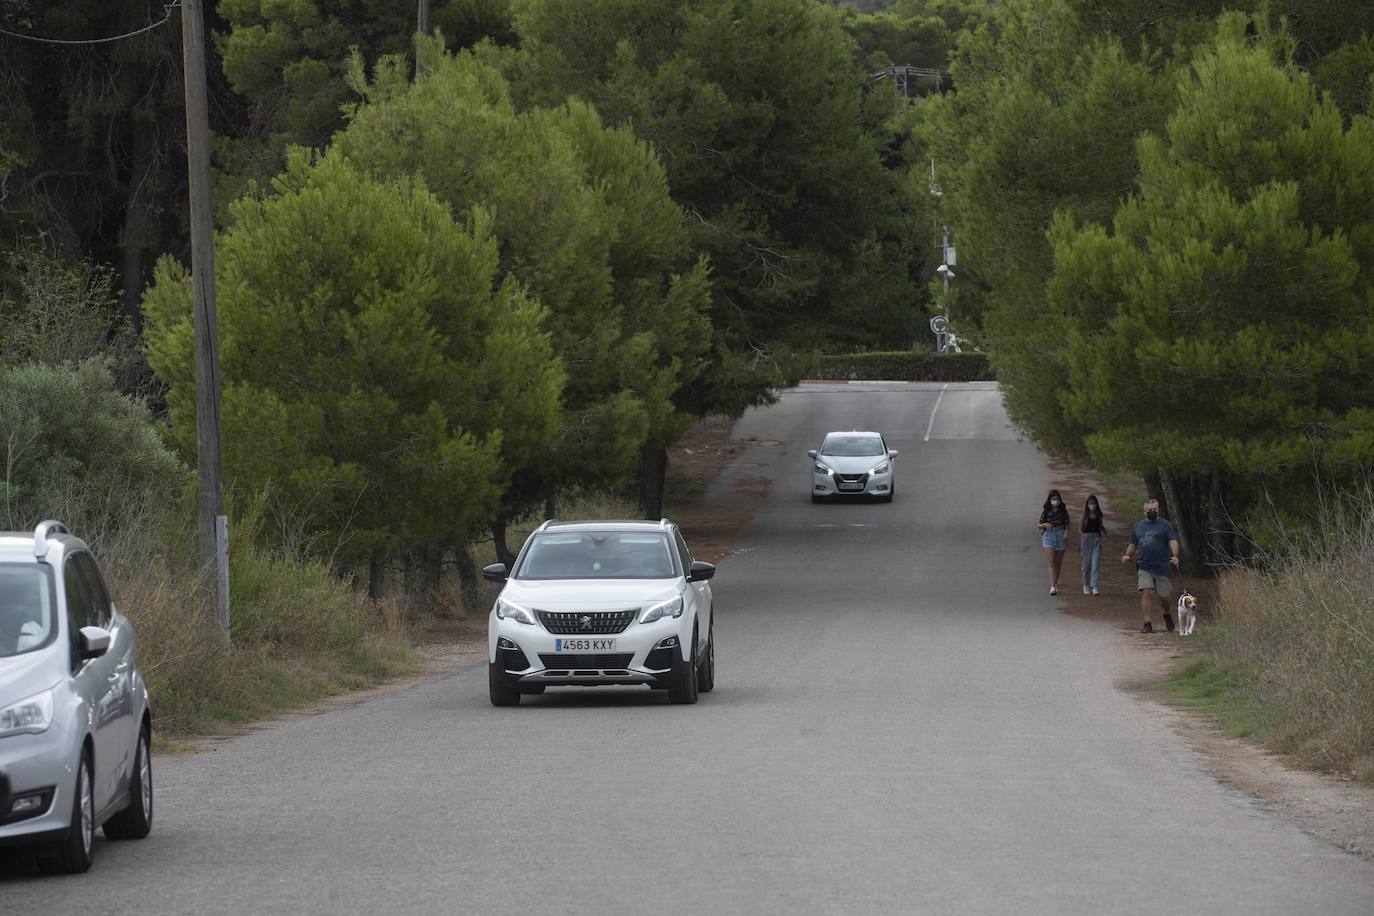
{"x": 74, "y": 718}
{"x": 853, "y": 464}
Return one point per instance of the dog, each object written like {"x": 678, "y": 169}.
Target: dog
{"x": 1187, "y": 614}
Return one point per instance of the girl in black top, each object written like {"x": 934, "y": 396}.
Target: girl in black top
{"x": 1054, "y": 523}
{"x": 1090, "y": 544}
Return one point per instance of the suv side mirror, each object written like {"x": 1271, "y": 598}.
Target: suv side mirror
{"x": 892, "y": 453}
{"x": 812, "y": 453}
{"x": 700, "y": 571}
{"x": 93, "y": 642}
{"x": 496, "y": 572}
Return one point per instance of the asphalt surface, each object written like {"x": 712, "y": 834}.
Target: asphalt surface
{"x": 903, "y": 722}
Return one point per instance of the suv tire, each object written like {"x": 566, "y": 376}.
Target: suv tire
{"x": 684, "y": 692}
{"x": 136, "y": 821}
{"x": 74, "y": 854}
{"x": 706, "y": 671}
{"x": 501, "y": 692}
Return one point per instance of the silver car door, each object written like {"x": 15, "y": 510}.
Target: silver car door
{"x": 121, "y": 697}
{"x": 96, "y": 683}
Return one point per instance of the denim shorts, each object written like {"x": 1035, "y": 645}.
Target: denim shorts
{"x": 1053, "y": 538}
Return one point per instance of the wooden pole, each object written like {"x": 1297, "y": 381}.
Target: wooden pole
{"x": 423, "y": 28}
{"x": 212, "y": 526}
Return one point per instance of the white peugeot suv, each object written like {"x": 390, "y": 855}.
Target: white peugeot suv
{"x": 596, "y": 603}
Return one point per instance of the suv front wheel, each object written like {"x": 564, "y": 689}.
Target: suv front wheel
{"x": 501, "y": 691}
{"x": 684, "y": 691}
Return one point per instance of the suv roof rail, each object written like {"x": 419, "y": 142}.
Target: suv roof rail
{"x": 547, "y": 523}
{"x": 40, "y": 536}
{"x": 664, "y": 523}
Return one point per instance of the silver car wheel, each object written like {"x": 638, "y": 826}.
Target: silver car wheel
{"x": 145, "y": 777}
{"x": 87, "y": 808}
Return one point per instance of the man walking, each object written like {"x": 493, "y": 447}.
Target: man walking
{"x": 1154, "y": 543}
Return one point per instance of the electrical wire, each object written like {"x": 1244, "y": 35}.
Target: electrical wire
{"x": 97, "y": 41}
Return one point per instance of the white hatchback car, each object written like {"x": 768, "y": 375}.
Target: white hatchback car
{"x": 853, "y": 464}
{"x": 602, "y": 603}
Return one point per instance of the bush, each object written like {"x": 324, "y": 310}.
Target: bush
{"x": 1291, "y": 657}
{"x": 906, "y": 366}
{"x": 71, "y": 447}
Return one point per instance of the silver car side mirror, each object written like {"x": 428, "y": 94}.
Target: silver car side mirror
{"x": 94, "y": 642}
{"x": 892, "y": 453}
{"x": 812, "y": 453}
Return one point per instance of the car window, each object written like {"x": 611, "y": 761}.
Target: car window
{"x": 853, "y": 447}
{"x": 597, "y": 555}
{"x": 78, "y": 609}
{"x": 28, "y": 614}
{"x": 683, "y": 553}
{"x": 98, "y": 599}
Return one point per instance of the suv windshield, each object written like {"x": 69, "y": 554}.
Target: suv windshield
{"x": 852, "y": 446}
{"x": 598, "y": 555}
{"x": 27, "y": 618}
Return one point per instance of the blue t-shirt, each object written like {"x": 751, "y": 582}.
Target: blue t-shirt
{"x": 1152, "y": 545}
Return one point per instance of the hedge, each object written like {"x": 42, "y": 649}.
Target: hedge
{"x": 905, "y": 366}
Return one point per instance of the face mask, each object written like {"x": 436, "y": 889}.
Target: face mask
{"x": 1055, "y": 503}
{"x": 1152, "y": 515}
{"x": 1092, "y": 507}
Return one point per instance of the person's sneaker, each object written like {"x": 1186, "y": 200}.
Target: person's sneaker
{"x": 1085, "y": 590}
{"x": 1054, "y": 589}
{"x": 1094, "y": 590}
{"x": 1148, "y": 628}
{"x": 1168, "y": 623}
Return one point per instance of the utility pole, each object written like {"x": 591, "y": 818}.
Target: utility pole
{"x": 213, "y": 525}
{"x": 422, "y": 27}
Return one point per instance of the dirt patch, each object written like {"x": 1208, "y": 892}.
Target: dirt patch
{"x": 1336, "y": 810}
{"x": 693, "y": 465}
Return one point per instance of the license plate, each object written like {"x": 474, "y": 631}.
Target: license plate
{"x": 584, "y": 645}
{"x": 850, "y": 485}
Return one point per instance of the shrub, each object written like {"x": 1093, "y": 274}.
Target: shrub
{"x": 906, "y": 366}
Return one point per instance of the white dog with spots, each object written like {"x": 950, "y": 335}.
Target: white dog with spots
{"x": 1187, "y": 614}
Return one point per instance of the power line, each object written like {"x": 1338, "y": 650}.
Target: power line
{"x": 97, "y": 41}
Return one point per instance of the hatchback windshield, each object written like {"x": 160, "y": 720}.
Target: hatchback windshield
{"x": 598, "y": 555}
{"x": 26, "y": 608}
{"x": 852, "y": 446}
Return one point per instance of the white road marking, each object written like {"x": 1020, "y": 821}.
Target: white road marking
{"x": 931, "y": 424}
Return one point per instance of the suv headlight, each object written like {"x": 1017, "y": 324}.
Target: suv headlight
{"x": 881, "y": 469}
{"x": 507, "y": 611}
{"x": 822, "y": 469}
{"x": 670, "y": 608}
{"x": 30, "y": 716}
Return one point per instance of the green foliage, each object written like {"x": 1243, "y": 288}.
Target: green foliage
{"x": 906, "y": 365}
{"x": 71, "y": 447}
{"x": 287, "y": 59}
{"x": 584, "y": 221}
{"x": 1044, "y": 122}
{"x": 1223, "y": 323}
{"x": 376, "y": 371}
{"x": 782, "y": 186}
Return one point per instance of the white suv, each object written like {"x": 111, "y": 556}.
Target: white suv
{"x": 596, "y": 603}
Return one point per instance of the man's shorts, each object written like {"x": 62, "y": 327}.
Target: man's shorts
{"x": 1145, "y": 579}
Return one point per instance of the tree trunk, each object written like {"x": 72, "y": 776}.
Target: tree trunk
{"x": 134, "y": 241}
{"x": 498, "y": 539}
{"x": 551, "y": 506}
{"x": 432, "y": 566}
{"x": 653, "y": 473}
{"x": 467, "y": 576}
{"x": 376, "y": 574}
{"x": 1221, "y": 539}
{"x": 1175, "y": 512}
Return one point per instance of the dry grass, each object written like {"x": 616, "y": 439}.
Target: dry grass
{"x": 1291, "y": 659}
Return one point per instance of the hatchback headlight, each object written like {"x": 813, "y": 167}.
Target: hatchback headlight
{"x": 670, "y": 608}
{"x": 822, "y": 469}
{"x": 881, "y": 469}
{"x": 30, "y": 716}
{"x": 507, "y": 611}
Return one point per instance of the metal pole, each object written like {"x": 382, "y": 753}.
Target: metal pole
{"x": 944, "y": 258}
{"x": 214, "y": 571}
{"x": 422, "y": 27}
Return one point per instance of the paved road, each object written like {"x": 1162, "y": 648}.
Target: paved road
{"x": 903, "y": 723}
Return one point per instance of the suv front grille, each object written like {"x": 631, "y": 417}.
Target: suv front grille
{"x": 568, "y": 660}
{"x": 579, "y": 623}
